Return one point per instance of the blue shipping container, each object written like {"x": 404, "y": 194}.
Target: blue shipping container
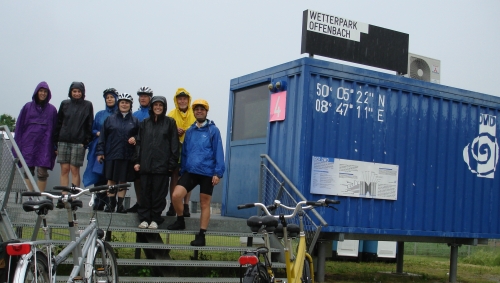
{"x": 441, "y": 142}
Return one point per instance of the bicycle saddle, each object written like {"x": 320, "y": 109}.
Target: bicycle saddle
{"x": 255, "y": 222}
{"x": 74, "y": 204}
{"x": 292, "y": 229}
{"x": 40, "y": 206}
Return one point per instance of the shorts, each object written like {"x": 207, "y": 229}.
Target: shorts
{"x": 189, "y": 181}
{"x": 72, "y": 153}
{"x": 41, "y": 173}
{"x": 119, "y": 170}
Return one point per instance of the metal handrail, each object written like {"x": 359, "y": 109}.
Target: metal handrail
{"x": 19, "y": 156}
{"x": 292, "y": 186}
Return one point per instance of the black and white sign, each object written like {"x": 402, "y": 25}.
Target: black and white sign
{"x": 350, "y": 40}
{"x": 335, "y": 26}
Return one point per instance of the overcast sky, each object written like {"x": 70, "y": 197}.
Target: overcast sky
{"x": 202, "y": 45}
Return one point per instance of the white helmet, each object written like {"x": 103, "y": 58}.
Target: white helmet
{"x": 145, "y": 90}
{"x": 125, "y": 96}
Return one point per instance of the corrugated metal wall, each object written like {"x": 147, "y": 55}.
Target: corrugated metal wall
{"x": 350, "y": 113}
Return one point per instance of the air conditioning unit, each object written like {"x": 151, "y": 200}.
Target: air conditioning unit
{"x": 424, "y": 68}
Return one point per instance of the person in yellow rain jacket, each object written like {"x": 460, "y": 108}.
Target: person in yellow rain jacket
{"x": 184, "y": 118}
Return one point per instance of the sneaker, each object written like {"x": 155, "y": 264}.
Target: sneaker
{"x": 153, "y": 225}
{"x": 199, "y": 240}
{"x": 171, "y": 210}
{"x": 177, "y": 225}
{"x": 143, "y": 225}
{"x": 186, "y": 213}
{"x": 133, "y": 209}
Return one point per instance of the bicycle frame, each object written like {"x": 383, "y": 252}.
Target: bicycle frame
{"x": 294, "y": 263}
{"x": 82, "y": 256}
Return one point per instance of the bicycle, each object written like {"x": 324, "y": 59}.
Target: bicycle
{"x": 299, "y": 267}
{"x": 96, "y": 256}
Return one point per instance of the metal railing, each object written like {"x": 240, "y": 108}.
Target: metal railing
{"x": 275, "y": 185}
{"x": 13, "y": 170}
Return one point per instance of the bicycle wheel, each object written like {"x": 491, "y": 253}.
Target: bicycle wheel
{"x": 256, "y": 274}
{"x": 37, "y": 271}
{"x": 306, "y": 272}
{"x": 105, "y": 272}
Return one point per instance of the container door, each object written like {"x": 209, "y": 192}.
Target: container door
{"x": 247, "y": 134}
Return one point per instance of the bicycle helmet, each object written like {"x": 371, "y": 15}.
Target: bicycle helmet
{"x": 145, "y": 90}
{"x": 125, "y": 96}
{"x": 201, "y": 102}
{"x": 111, "y": 90}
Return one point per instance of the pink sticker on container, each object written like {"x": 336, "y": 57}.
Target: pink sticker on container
{"x": 278, "y": 106}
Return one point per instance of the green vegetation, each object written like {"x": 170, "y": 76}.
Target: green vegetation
{"x": 7, "y": 120}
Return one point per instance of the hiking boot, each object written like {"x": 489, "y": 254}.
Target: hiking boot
{"x": 178, "y": 225}
{"x": 143, "y": 225}
{"x": 153, "y": 225}
{"x": 186, "y": 213}
{"x": 121, "y": 209}
{"x": 199, "y": 240}
{"x": 171, "y": 210}
{"x": 133, "y": 209}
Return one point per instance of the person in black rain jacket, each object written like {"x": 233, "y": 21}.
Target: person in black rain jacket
{"x": 157, "y": 155}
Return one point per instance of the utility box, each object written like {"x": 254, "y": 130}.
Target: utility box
{"x": 407, "y": 159}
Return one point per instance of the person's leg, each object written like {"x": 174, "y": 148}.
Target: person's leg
{"x": 159, "y": 194}
{"x": 144, "y": 210}
{"x": 137, "y": 188}
{"x": 173, "y": 183}
{"x": 110, "y": 207}
{"x": 186, "y": 205}
{"x": 205, "y": 210}
{"x": 177, "y": 197}
{"x": 27, "y": 180}
{"x": 42, "y": 176}
{"x": 121, "y": 198}
{"x": 75, "y": 175}
{"x": 206, "y": 189}
{"x": 65, "y": 168}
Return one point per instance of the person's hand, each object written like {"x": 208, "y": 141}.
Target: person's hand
{"x": 56, "y": 152}
{"x": 97, "y": 134}
{"x": 137, "y": 167}
{"x": 100, "y": 158}
{"x": 131, "y": 141}
{"x": 180, "y": 131}
{"x": 215, "y": 180}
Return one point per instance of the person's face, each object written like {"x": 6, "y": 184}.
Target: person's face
{"x": 124, "y": 105}
{"x": 182, "y": 102}
{"x": 42, "y": 94}
{"x": 110, "y": 100}
{"x": 200, "y": 113}
{"x": 158, "y": 108}
{"x": 76, "y": 93}
{"x": 144, "y": 99}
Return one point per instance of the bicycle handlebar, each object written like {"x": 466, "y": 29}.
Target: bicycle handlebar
{"x": 301, "y": 205}
{"x": 75, "y": 190}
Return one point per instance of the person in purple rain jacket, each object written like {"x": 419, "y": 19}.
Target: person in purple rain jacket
{"x": 34, "y": 135}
